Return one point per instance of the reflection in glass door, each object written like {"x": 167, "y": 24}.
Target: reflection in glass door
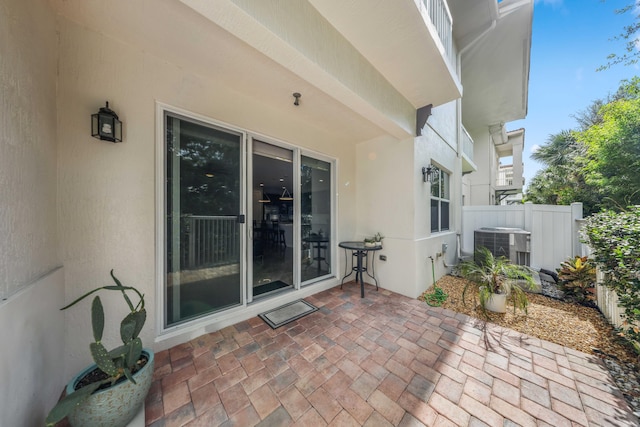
{"x": 203, "y": 203}
{"x": 315, "y": 207}
{"x": 273, "y": 219}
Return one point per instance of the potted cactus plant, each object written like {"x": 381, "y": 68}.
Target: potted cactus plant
{"x": 111, "y": 391}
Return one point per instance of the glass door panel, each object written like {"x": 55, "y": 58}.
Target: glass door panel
{"x": 203, "y": 203}
{"x": 315, "y": 207}
{"x": 273, "y": 219}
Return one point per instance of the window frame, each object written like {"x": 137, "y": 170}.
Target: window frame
{"x": 441, "y": 183}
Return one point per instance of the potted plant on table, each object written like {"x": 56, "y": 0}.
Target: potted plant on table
{"x": 374, "y": 241}
{"x": 110, "y": 392}
{"x": 496, "y": 280}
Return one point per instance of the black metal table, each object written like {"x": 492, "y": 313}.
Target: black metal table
{"x": 360, "y": 250}
{"x": 317, "y": 242}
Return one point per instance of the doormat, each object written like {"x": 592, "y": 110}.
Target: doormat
{"x": 268, "y": 287}
{"x": 287, "y": 313}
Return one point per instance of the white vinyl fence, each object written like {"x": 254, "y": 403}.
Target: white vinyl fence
{"x": 554, "y": 229}
{"x": 607, "y": 301}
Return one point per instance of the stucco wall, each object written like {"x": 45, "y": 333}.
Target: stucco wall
{"x": 480, "y": 182}
{"x": 107, "y": 191}
{"x": 31, "y": 359}
{"x": 31, "y": 285}
{"x": 28, "y": 247}
{"x": 393, "y": 199}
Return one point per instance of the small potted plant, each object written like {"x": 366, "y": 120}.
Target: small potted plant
{"x": 496, "y": 280}
{"x": 111, "y": 391}
{"x": 374, "y": 241}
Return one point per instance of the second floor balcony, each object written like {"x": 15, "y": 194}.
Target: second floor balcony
{"x": 508, "y": 180}
{"x": 410, "y": 42}
{"x": 468, "y": 164}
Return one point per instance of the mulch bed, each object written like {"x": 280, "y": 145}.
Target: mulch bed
{"x": 568, "y": 324}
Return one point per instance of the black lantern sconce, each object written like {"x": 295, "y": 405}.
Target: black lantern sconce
{"x": 426, "y": 173}
{"x": 105, "y": 125}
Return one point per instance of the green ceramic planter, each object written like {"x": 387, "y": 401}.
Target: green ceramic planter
{"x": 115, "y": 406}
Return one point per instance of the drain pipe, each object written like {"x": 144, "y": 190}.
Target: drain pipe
{"x": 458, "y": 254}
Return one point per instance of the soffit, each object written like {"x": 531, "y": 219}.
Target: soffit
{"x": 176, "y": 33}
{"x": 495, "y": 64}
{"x": 398, "y": 38}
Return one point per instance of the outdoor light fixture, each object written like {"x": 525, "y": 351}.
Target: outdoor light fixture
{"x": 297, "y": 96}
{"x": 286, "y": 196}
{"x": 426, "y": 173}
{"x": 105, "y": 125}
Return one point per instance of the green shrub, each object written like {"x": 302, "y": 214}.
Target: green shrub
{"x": 614, "y": 238}
{"x": 577, "y": 280}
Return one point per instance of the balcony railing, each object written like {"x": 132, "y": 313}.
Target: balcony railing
{"x": 467, "y": 144}
{"x": 210, "y": 241}
{"x": 505, "y": 176}
{"x": 441, "y": 19}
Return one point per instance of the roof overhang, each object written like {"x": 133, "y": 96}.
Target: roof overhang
{"x": 398, "y": 38}
{"x": 495, "y": 44}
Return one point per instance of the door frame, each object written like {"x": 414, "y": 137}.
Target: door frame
{"x": 251, "y": 136}
{"x": 160, "y": 193}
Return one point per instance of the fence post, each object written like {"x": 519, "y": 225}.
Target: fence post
{"x": 576, "y": 216}
{"x": 528, "y": 216}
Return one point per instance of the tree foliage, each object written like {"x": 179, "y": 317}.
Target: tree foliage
{"x": 629, "y": 36}
{"x": 613, "y": 148}
{"x": 597, "y": 163}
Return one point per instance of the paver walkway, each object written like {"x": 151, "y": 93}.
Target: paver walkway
{"x": 379, "y": 361}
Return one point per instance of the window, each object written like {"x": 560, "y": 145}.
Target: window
{"x": 439, "y": 200}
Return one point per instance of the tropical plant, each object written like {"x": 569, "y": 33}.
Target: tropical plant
{"x": 115, "y": 365}
{"x": 577, "y": 279}
{"x": 489, "y": 275}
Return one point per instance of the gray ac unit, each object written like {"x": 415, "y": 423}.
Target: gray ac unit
{"x": 513, "y": 243}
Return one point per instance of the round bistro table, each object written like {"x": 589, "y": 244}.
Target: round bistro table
{"x": 360, "y": 251}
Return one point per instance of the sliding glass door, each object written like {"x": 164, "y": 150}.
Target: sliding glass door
{"x": 316, "y": 214}
{"x": 272, "y": 239}
{"x": 203, "y": 204}
{"x": 214, "y": 257}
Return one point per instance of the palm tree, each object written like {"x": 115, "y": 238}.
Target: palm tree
{"x": 490, "y": 275}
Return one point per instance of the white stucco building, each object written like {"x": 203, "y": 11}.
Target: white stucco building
{"x": 219, "y": 169}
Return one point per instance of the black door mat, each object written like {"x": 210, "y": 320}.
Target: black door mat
{"x": 287, "y": 313}
{"x": 268, "y": 287}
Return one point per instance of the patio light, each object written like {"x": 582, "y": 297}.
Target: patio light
{"x": 105, "y": 125}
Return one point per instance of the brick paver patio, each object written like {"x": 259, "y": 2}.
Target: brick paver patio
{"x": 385, "y": 360}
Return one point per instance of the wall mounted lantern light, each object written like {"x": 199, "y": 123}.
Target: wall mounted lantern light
{"x": 105, "y": 125}
{"x": 426, "y": 173}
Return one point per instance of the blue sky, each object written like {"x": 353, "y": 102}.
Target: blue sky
{"x": 571, "y": 39}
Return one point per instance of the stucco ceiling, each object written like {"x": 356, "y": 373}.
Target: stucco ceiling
{"x": 495, "y": 66}
{"x": 176, "y": 33}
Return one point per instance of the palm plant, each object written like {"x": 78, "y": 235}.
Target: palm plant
{"x": 489, "y": 275}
